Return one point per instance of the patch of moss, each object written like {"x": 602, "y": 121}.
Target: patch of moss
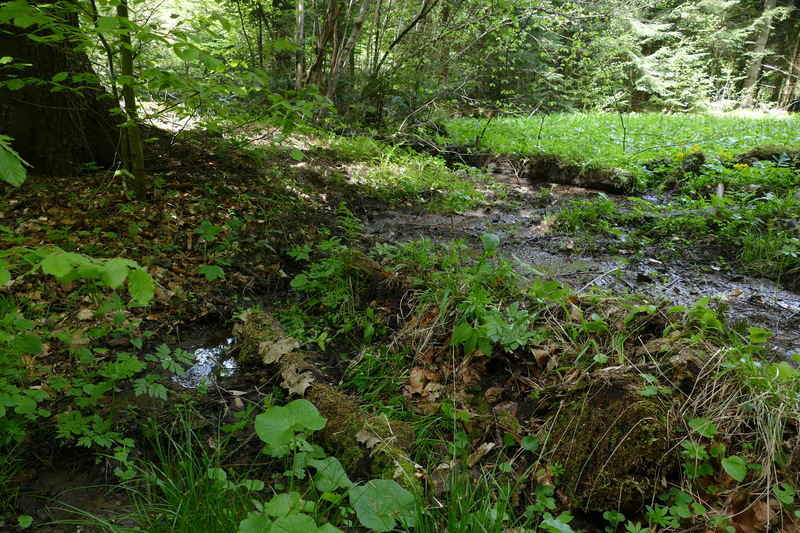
{"x": 613, "y": 444}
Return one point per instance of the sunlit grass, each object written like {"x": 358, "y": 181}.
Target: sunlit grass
{"x": 627, "y": 140}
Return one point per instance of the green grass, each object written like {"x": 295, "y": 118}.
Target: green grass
{"x": 627, "y": 140}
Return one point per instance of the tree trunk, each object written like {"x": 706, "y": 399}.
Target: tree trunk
{"x": 787, "y": 95}
{"x": 57, "y": 131}
{"x": 341, "y": 57}
{"x": 300, "y": 40}
{"x": 754, "y": 66}
{"x": 133, "y": 137}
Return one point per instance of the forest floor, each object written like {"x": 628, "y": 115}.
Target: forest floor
{"x": 213, "y": 204}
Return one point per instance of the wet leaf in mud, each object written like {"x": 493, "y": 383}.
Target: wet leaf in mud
{"x": 368, "y": 438}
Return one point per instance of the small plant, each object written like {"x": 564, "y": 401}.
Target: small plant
{"x": 379, "y": 504}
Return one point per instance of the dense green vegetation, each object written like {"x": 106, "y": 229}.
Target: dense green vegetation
{"x": 218, "y": 165}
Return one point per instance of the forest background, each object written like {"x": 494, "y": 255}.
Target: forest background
{"x": 387, "y": 65}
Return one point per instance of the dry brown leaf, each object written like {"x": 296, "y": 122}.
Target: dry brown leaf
{"x": 294, "y": 382}
{"x": 368, "y": 438}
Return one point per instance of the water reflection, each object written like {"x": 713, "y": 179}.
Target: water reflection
{"x": 211, "y": 362}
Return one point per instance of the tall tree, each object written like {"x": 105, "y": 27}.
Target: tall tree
{"x": 756, "y": 56}
{"x": 50, "y": 100}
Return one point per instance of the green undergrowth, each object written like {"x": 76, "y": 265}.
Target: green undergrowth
{"x": 473, "y": 310}
{"x": 627, "y": 140}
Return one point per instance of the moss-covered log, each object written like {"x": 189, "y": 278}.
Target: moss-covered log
{"x": 367, "y": 446}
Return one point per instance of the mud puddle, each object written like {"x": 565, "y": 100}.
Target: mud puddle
{"x": 213, "y": 360}
{"x": 524, "y": 222}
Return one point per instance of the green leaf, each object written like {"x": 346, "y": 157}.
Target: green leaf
{"x": 12, "y": 168}
{"x": 297, "y": 155}
{"x": 114, "y": 273}
{"x": 490, "y": 242}
{"x": 107, "y": 24}
{"x": 186, "y": 52}
{"x": 29, "y": 344}
{"x": 61, "y": 76}
{"x": 380, "y": 503}
{"x": 556, "y": 526}
{"x": 530, "y": 443}
{"x": 330, "y": 474}
{"x": 57, "y": 264}
{"x": 736, "y": 467}
{"x": 24, "y": 21}
{"x": 706, "y": 428}
{"x": 5, "y": 276}
{"x": 255, "y": 523}
{"x": 211, "y": 272}
{"x": 294, "y": 523}
{"x": 15, "y": 84}
{"x": 141, "y": 286}
{"x": 277, "y": 426}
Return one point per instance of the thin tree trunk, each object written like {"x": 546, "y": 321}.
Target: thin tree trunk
{"x": 133, "y": 137}
{"x": 347, "y": 49}
{"x": 754, "y": 66}
{"x": 300, "y": 40}
{"x": 426, "y": 8}
{"x": 787, "y": 94}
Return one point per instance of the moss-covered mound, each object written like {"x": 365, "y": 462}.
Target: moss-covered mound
{"x": 612, "y": 442}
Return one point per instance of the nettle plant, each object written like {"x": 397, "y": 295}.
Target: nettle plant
{"x": 379, "y": 505}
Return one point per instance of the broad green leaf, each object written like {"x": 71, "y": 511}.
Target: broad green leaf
{"x": 140, "y": 286}
{"x": 15, "y": 84}
{"x": 490, "y": 242}
{"x": 57, "y": 264}
{"x": 380, "y": 503}
{"x": 61, "y": 76}
{"x": 23, "y": 324}
{"x": 89, "y": 271}
{"x": 24, "y": 21}
{"x": 294, "y": 523}
{"x": 277, "y": 426}
{"x": 211, "y": 272}
{"x": 284, "y": 504}
{"x": 29, "y": 344}
{"x": 530, "y": 443}
{"x": 186, "y": 52}
{"x": 12, "y": 168}
{"x": 255, "y": 523}
{"x": 330, "y": 474}
{"x": 556, "y": 526}
{"x": 736, "y": 467}
{"x": 114, "y": 273}
{"x": 297, "y": 155}
{"x": 5, "y": 276}
{"x": 107, "y": 24}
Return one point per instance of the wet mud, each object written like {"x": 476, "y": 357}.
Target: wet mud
{"x": 523, "y": 221}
